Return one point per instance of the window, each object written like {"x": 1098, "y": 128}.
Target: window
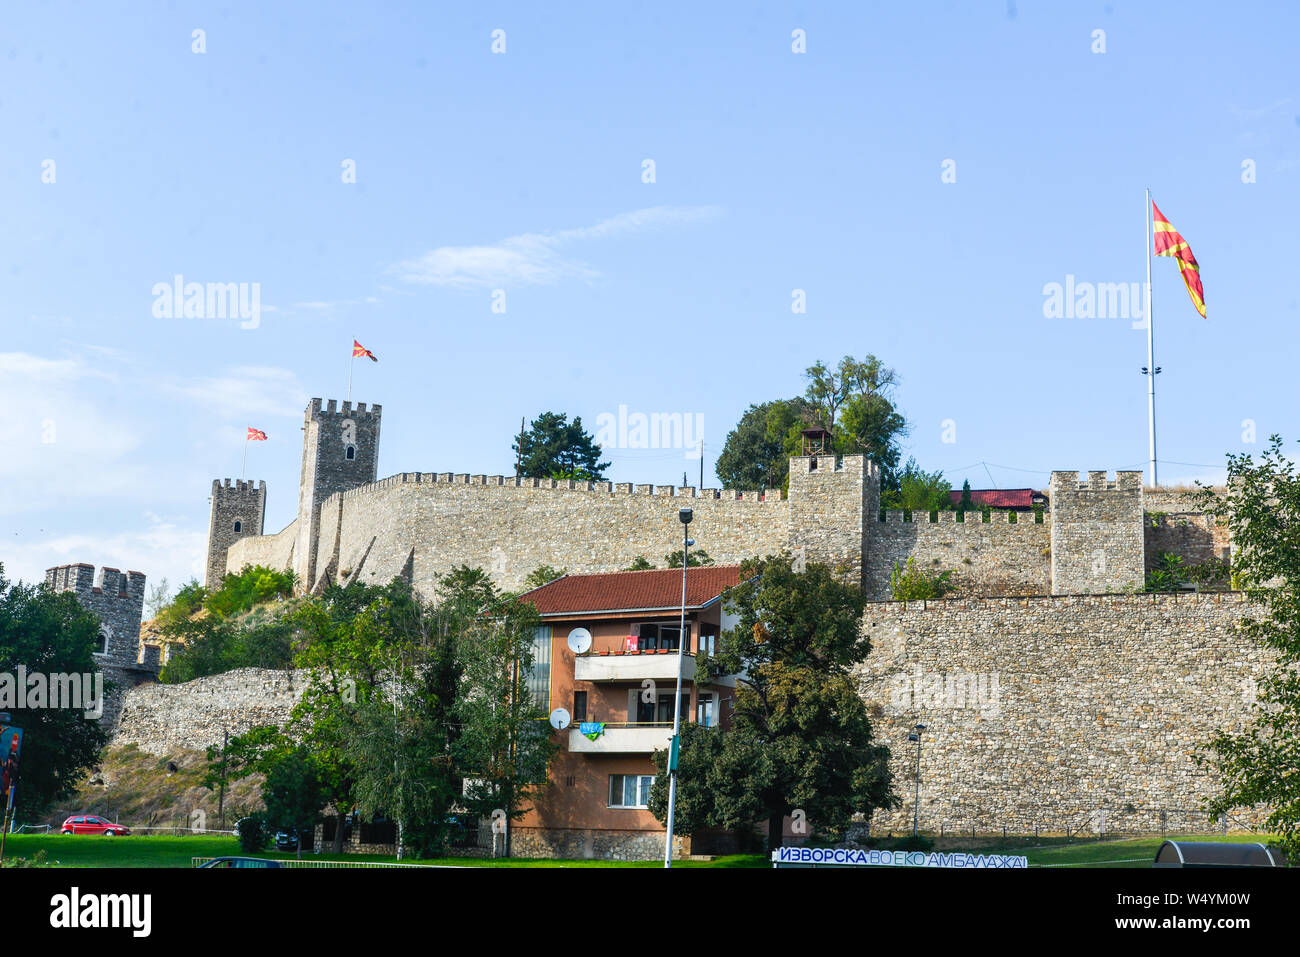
{"x": 708, "y": 644}
{"x": 630, "y": 790}
{"x": 659, "y": 711}
{"x": 539, "y": 672}
{"x": 580, "y": 706}
{"x": 706, "y": 711}
{"x": 656, "y": 637}
{"x": 102, "y": 648}
{"x": 351, "y": 453}
{"x": 239, "y": 526}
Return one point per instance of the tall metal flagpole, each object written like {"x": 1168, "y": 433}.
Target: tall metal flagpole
{"x": 674, "y": 748}
{"x": 353, "y": 361}
{"x": 1151, "y": 353}
{"x": 244, "y": 466}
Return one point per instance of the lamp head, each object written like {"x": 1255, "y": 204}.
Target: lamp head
{"x": 685, "y": 515}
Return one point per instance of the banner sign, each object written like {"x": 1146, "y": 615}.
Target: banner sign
{"x": 852, "y": 857}
{"x": 11, "y": 747}
{"x": 592, "y": 729}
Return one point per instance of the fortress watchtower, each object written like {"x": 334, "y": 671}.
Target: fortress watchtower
{"x": 340, "y": 451}
{"x": 1098, "y": 538}
{"x": 238, "y": 511}
{"x": 116, "y": 598}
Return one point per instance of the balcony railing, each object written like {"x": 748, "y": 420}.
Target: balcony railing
{"x": 638, "y": 666}
{"x": 623, "y": 738}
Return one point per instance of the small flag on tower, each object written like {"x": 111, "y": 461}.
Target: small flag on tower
{"x": 255, "y": 435}
{"x": 1170, "y": 242}
{"x": 359, "y": 350}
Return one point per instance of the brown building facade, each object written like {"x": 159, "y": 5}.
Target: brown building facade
{"x": 618, "y": 695}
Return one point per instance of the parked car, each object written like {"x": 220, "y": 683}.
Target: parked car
{"x": 288, "y": 841}
{"x": 92, "y": 824}
{"x": 218, "y": 862}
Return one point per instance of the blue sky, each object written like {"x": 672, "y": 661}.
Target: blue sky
{"x": 523, "y": 171}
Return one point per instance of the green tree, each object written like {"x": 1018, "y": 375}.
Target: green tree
{"x": 915, "y": 584}
{"x": 756, "y": 453}
{"x": 504, "y": 746}
{"x": 854, "y": 402}
{"x": 966, "y": 504}
{"x": 553, "y": 447}
{"x": 1257, "y": 764}
{"x": 643, "y": 564}
{"x": 543, "y": 575}
{"x": 349, "y": 633}
{"x": 800, "y": 735}
{"x": 48, "y": 633}
{"x": 915, "y": 490}
{"x": 695, "y": 558}
{"x": 294, "y": 794}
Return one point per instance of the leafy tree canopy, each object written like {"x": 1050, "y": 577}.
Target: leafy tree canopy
{"x": 553, "y": 447}
{"x": 48, "y": 633}
{"x": 1257, "y": 764}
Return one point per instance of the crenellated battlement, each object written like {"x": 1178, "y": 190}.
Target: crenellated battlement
{"x": 607, "y": 488}
{"x": 320, "y": 408}
{"x": 240, "y": 487}
{"x": 999, "y": 517}
{"x": 86, "y": 580}
{"x": 1097, "y": 481}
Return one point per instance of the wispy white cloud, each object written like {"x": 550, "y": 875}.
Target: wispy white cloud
{"x": 261, "y": 390}
{"x": 159, "y": 547}
{"x": 537, "y": 258}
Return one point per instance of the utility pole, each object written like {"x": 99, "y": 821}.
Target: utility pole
{"x": 519, "y": 451}
{"x": 221, "y": 798}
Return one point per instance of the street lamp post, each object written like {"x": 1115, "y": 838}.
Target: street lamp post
{"x": 916, "y": 807}
{"x": 684, "y": 515}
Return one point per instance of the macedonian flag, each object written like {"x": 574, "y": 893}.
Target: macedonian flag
{"x": 1170, "y": 242}
{"x": 359, "y": 350}
{"x": 255, "y": 435}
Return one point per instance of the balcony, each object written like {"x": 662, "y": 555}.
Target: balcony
{"x": 622, "y": 739}
{"x": 633, "y": 666}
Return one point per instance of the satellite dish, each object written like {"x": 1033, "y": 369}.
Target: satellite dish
{"x": 559, "y": 719}
{"x": 580, "y": 641}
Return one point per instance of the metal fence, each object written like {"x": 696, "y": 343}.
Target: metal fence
{"x": 292, "y": 862}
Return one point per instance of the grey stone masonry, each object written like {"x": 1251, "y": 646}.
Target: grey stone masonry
{"x": 830, "y": 500}
{"x": 1098, "y": 542}
{"x": 163, "y": 719}
{"x": 116, "y": 598}
{"x": 1082, "y": 711}
{"x": 340, "y": 451}
{"x": 238, "y": 511}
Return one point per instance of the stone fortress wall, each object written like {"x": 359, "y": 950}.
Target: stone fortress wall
{"x": 1066, "y": 712}
{"x": 1100, "y": 695}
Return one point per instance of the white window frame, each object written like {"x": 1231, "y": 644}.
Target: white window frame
{"x": 623, "y": 778}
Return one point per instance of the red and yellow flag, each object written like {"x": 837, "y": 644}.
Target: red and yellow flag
{"x": 1170, "y": 242}
{"x": 359, "y": 350}
{"x": 255, "y": 435}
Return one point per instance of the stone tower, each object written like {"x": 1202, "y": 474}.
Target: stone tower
{"x": 833, "y": 503}
{"x": 117, "y": 600}
{"x": 238, "y": 511}
{"x": 1098, "y": 536}
{"x": 340, "y": 451}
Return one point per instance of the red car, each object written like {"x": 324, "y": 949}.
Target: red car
{"x": 90, "y": 824}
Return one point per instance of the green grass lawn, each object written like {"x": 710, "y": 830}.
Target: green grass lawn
{"x": 167, "y": 851}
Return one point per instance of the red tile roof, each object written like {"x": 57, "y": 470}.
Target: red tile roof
{"x": 998, "y": 497}
{"x": 633, "y": 591}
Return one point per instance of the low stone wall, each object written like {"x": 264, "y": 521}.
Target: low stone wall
{"x": 584, "y": 845}
{"x": 1059, "y": 712}
{"x": 161, "y": 718}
